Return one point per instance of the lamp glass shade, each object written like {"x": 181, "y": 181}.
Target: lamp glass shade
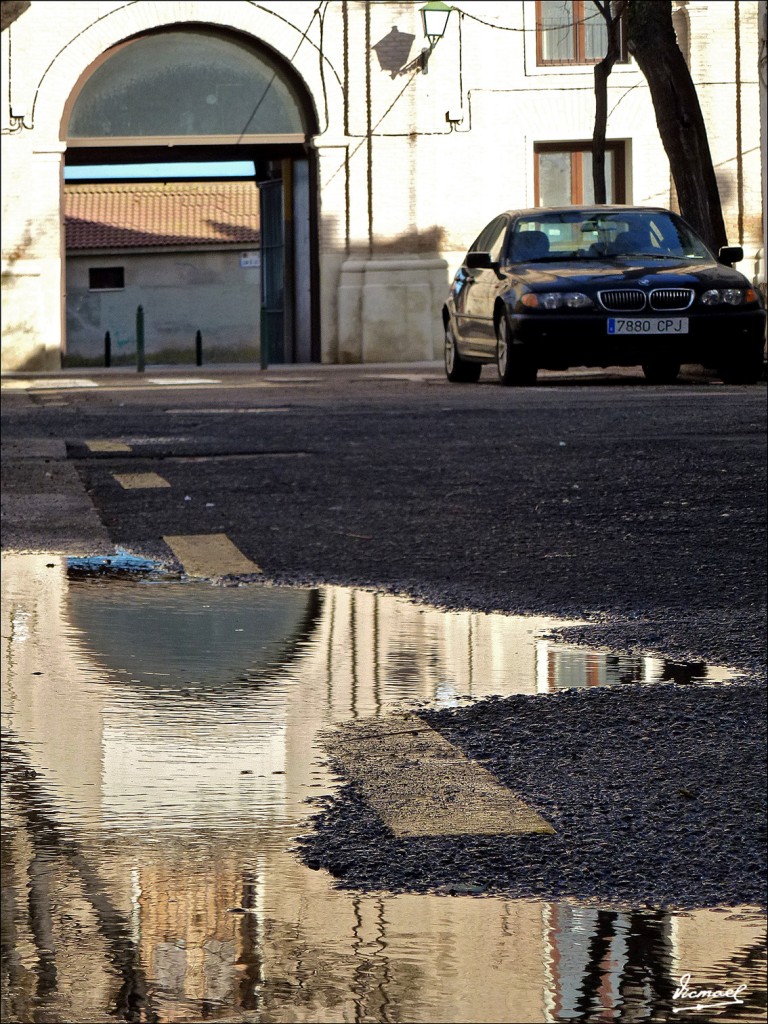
{"x": 435, "y": 15}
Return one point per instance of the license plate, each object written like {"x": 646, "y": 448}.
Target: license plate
{"x": 648, "y": 325}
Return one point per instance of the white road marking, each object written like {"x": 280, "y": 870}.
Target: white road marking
{"x": 62, "y": 382}
{"x": 181, "y": 381}
{"x": 227, "y": 412}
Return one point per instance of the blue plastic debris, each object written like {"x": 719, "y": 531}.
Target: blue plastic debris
{"x": 120, "y": 562}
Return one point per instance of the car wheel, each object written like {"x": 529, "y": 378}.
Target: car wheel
{"x": 512, "y": 361}
{"x": 661, "y": 372}
{"x": 746, "y": 368}
{"x": 458, "y": 370}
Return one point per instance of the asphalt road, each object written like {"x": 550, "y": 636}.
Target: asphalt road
{"x": 642, "y": 508}
{"x": 639, "y": 509}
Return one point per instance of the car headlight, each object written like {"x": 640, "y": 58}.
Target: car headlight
{"x": 730, "y": 296}
{"x": 554, "y": 300}
{"x": 577, "y": 300}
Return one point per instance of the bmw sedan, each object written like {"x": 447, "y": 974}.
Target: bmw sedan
{"x": 600, "y": 286}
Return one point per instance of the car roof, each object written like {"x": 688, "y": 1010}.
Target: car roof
{"x": 584, "y": 210}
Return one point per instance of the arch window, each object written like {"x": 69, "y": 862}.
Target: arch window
{"x": 186, "y": 83}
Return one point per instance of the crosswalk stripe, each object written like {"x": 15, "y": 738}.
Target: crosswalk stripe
{"x": 210, "y": 554}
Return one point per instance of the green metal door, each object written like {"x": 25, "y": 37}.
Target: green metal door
{"x": 272, "y": 273}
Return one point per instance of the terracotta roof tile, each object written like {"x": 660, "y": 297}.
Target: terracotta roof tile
{"x": 123, "y": 216}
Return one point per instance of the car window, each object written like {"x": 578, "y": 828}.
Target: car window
{"x": 543, "y": 237}
{"x": 496, "y": 240}
{"x": 595, "y": 235}
{"x": 491, "y": 238}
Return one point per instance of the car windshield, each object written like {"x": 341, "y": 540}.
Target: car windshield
{"x": 619, "y": 235}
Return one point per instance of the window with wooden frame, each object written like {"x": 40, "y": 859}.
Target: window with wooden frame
{"x": 562, "y": 173}
{"x": 572, "y": 32}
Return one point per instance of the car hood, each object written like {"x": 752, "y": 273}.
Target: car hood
{"x": 609, "y": 273}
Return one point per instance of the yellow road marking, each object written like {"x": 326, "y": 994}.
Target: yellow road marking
{"x": 136, "y": 481}
{"x": 419, "y": 784}
{"x": 210, "y": 554}
{"x": 107, "y": 446}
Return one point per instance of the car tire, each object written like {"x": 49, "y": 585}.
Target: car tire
{"x": 661, "y": 372}
{"x": 513, "y": 363}
{"x": 747, "y": 368}
{"x": 457, "y": 369}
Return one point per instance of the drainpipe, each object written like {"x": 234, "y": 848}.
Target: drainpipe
{"x": 739, "y": 147}
{"x": 369, "y": 125}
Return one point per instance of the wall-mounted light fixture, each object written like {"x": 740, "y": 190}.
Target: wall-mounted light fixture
{"x": 434, "y": 16}
{"x": 17, "y": 120}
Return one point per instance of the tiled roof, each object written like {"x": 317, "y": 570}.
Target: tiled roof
{"x": 122, "y": 216}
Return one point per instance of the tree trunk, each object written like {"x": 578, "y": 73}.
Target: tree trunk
{"x": 10, "y": 10}
{"x": 653, "y": 44}
{"x": 612, "y": 15}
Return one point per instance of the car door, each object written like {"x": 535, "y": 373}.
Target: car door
{"x": 475, "y": 290}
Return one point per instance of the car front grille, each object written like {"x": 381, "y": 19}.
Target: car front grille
{"x": 622, "y": 300}
{"x": 671, "y": 298}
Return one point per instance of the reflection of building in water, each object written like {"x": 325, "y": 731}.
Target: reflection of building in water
{"x": 376, "y": 649}
{"x": 161, "y": 866}
{"x": 192, "y": 942}
{"x": 599, "y": 960}
{"x": 333, "y": 956}
{"x": 559, "y": 667}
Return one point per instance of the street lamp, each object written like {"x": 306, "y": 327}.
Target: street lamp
{"x": 434, "y": 16}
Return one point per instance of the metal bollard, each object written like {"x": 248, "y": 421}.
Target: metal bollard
{"x": 199, "y": 348}
{"x": 140, "y": 339}
{"x": 107, "y": 349}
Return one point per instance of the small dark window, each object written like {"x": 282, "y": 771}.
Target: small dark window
{"x": 103, "y": 278}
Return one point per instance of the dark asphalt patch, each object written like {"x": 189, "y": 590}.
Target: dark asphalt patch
{"x": 657, "y": 797}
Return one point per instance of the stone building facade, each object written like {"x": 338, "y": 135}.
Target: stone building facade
{"x": 387, "y": 154}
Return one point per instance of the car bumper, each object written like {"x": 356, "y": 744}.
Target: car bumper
{"x": 572, "y": 340}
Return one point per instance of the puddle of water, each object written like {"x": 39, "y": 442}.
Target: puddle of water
{"x": 159, "y": 748}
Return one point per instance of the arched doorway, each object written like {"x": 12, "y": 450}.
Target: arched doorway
{"x": 192, "y": 94}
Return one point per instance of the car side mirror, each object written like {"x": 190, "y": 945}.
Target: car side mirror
{"x": 479, "y": 261}
{"x": 730, "y": 254}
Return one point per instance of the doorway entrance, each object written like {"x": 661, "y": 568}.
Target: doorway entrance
{"x": 192, "y": 95}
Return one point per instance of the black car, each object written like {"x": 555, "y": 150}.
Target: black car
{"x": 600, "y": 286}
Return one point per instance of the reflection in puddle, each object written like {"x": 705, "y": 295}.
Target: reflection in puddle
{"x": 159, "y": 747}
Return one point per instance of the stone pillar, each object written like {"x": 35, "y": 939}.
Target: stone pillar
{"x": 333, "y": 231}
{"x": 398, "y": 314}
{"x": 389, "y": 309}
{"x": 350, "y": 308}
